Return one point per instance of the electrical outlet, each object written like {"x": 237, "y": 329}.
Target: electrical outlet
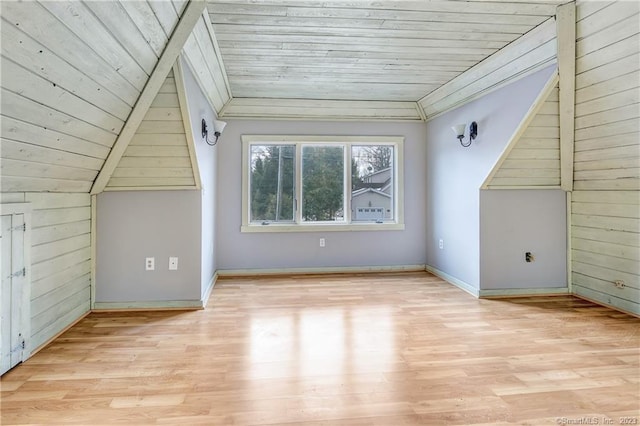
{"x": 173, "y": 263}
{"x": 528, "y": 257}
{"x": 150, "y": 263}
{"x": 619, "y": 283}
{"x": 322, "y": 242}
{"x": 441, "y": 244}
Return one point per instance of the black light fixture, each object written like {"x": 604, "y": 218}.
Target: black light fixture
{"x": 458, "y": 129}
{"x": 218, "y": 127}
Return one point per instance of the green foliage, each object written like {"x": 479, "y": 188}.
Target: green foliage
{"x": 268, "y": 202}
{"x": 322, "y": 183}
{"x": 273, "y": 179}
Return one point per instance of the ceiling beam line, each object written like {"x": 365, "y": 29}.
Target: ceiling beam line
{"x": 186, "y": 121}
{"x": 320, "y": 109}
{"x": 216, "y": 48}
{"x": 193, "y": 12}
{"x": 525, "y": 55}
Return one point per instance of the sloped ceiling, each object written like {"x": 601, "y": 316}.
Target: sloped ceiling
{"x": 73, "y": 74}
{"x": 362, "y": 49}
{"x": 77, "y": 77}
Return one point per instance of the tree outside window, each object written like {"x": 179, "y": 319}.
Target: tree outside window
{"x": 340, "y": 181}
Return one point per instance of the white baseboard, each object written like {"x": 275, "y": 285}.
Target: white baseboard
{"x": 207, "y": 293}
{"x": 453, "y": 280}
{"x": 159, "y": 305}
{"x": 155, "y": 305}
{"x": 321, "y": 270}
{"x": 515, "y": 292}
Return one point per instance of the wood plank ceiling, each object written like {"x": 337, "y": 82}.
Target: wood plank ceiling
{"x": 362, "y": 49}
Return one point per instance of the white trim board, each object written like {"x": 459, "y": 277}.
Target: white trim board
{"x": 522, "y": 127}
{"x": 186, "y": 120}
{"x": 396, "y": 223}
{"x": 319, "y": 109}
{"x": 350, "y": 227}
{"x": 556, "y": 187}
{"x": 320, "y": 270}
{"x": 566, "y": 31}
{"x": 569, "y": 244}
{"x": 159, "y": 305}
{"x": 150, "y": 188}
{"x": 209, "y": 290}
{"x": 94, "y": 248}
{"x": 529, "y": 53}
{"x": 453, "y": 280}
{"x": 154, "y": 305}
{"x": 191, "y": 14}
{"x": 497, "y": 293}
{"x": 214, "y": 42}
{"x": 522, "y": 292}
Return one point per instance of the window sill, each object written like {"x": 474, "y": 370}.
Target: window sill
{"x": 324, "y": 227}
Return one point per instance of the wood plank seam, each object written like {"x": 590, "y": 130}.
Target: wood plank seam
{"x": 182, "y": 31}
{"x": 524, "y": 124}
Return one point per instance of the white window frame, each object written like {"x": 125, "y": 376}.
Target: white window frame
{"x": 347, "y": 141}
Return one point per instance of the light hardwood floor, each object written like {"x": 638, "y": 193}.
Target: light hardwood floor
{"x": 396, "y": 349}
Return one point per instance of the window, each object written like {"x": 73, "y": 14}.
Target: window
{"x": 322, "y": 183}
{"x": 272, "y": 183}
{"x": 309, "y": 183}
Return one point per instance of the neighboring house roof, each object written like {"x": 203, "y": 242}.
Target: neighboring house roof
{"x": 369, "y": 181}
{"x": 386, "y": 170}
{"x": 372, "y": 176}
{"x": 365, "y": 190}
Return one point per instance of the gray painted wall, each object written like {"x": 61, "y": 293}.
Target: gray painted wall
{"x": 455, "y": 174}
{"x": 199, "y": 108}
{"x": 238, "y": 250}
{"x": 138, "y": 224}
{"x": 513, "y": 222}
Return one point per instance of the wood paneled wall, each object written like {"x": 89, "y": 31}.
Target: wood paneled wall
{"x": 158, "y": 155}
{"x": 71, "y": 74}
{"x": 606, "y": 202}
{"x": 534, "y": 160}
{"x": 61, "y": 260}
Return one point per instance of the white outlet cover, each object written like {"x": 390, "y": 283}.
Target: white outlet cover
{"x": 150, "y": 263}
{"x": 173, "y": 263}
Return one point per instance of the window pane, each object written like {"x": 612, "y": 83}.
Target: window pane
{"x": 372, "y": 182}
{"x": 272, "y": 183}
{"x": 323, "y": 183}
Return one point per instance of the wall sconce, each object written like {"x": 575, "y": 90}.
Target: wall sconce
{"x": 218, "y": 127}
{"x": 458, "y": 129}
